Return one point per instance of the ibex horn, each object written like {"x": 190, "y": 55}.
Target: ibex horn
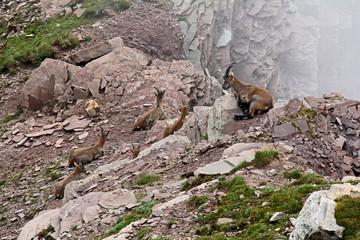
{"x": 228, "y": 69}
{"x": 158, "y": 91}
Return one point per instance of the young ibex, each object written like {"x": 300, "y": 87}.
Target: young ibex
{"x": 169, "y": 130}
{"x": 135, "y": 151}
{"x": 92, "y": 108}
{"x": 148, "y": 119}
{"x": 60, "y": 186}
{"x": 252, "y": 97}
{"x": 87, "y": 154}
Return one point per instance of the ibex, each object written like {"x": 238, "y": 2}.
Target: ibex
{"x": 87, "y": 154}
{"x": 135, "y": 151}
{"x": 92, "y": 108}
{"x": 178, "y": 123}
{"x": 252, "y": 97}
{"x": 60, "y": 186}
{"x": 148, "y": 119}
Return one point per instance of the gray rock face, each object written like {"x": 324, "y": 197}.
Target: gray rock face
{"x": 317, "y": 216}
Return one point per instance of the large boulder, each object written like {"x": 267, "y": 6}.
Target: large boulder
{"x": 221, "y": 116}
{"x": 47, "y": 83}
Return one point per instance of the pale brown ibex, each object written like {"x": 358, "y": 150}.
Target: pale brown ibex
{"x": 148, "y": 119}
{"x": 169, "y": 130}
{"x": 135, "y": 151}
{"x": 92, "y": 108}
{"x": 87, "y": 154}
{"x": 250, "y": 97}
{"x": 60, "y": 186}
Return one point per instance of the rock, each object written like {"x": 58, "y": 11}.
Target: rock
{"x": 42, "y": 221}
{"x": 117, "y": 198}
{"x": 86, "y": 55}
{"x": 91, "y": 213}
{"x": 40, "y": 133}
{"x": 221, "y": 114}
{"x": 224, "y": 220}
{"x": 158, "y": 208}
{"x": 46, "y": 84}
{"x": 302, "y": 125}
{"x": 284, "y": 148}
{"x": 219, "y": 167}
{"x": 283, "y": 130}
{"x": 74, "y": 123}
{"x": 277, "y": 216}
{"x": 339, "y": 143}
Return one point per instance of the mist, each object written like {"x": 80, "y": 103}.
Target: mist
{"x": 293, "y": 48}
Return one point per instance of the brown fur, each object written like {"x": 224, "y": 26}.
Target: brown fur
{"x": 135, "y": 151}
{"x": 92, "y": 108}
{"x": 147, "y": 120}
{"x": 87, "y": 154}
{"x": 60, "y": 186}
{"x": 169, "y": 130}
{"x": 255, "y": 98}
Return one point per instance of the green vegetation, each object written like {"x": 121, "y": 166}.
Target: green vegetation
{"x": 2, "y": 182}
{"x": 138, "y": 213}
{"x": 250, "y": 216}
{"x": 182, "y": 18}
{"x": 148, "y": 179}
{"x": 12, "y": 116}
{"x": 206, "y": 137}
{"x": 45, "y": 233}
{"x": 293, "y": 174}
{"x": 264, "y": 157}
{"x": 197, "y": 181}
{"x": 143, "y": 232}
{"x": 347, "y": 214}
{"x": 53, "y": 171}
{"x": 196, "y": 201}
{"x": 42, "y": 38}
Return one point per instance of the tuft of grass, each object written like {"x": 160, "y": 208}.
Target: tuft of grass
{"x": 310, "y": 179}
{"x": 2, "y": 182}
{"x": 143, "y": 232}
{"x": 45, "y": 233}
{"x": 148, "y": 179}
{"x": 293, "y": 174}
{"x": 138, "y": 213}
{"x": 196, "y": 201}
{"x": 264, "y": 157}
{"x": 12, "y": 116}
{"x": 347, "y": 214}
{"x": 197, "y": 181}
{"x": 206, "y": 137}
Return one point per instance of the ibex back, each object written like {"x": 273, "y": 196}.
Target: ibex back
{"x": 169, "y": 130}
{"x": 88, "y": 154}
{"x": 60, "y": 186}
{"x": 148, "y": 119}
{"x": 252, "y": 97}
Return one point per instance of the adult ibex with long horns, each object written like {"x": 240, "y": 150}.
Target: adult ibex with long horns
{"x": 251, "y": 97}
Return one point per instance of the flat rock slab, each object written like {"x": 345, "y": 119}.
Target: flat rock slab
{"x": 40, "y": 133}
{"x": 117, "y": 199}
{"x": 283, "y": 130}
{"x": 74, "y": 123}
{"x": 219, "y": 167}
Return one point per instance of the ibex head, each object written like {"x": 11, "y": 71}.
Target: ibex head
{"x": 159, "y": 93}
{"x": 103, "y": 134}
{"x": 135, "y": 151}
{"x": 228, "y": 77}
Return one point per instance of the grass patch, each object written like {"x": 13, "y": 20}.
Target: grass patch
{"x": 264, "y": 157}
{"x": 310, "y": 179}
{"x": 52, "y": 172}
{"x": 347, "y": 214}
{"x": 293, "y": 174}
{"x": 206, "y": 137}
{"x": 197, "y": 181}
{"x": 45, "y": 233}
{"x": 196, "y": 201}
{"x": 95, "y": 9}
{"x": 138, "y": 213}
{"x": 2, "y": 182}
{"x": 12, "y": 116}
{"x": 143, "y": 232}
{"x": 148, "y": 179}
{"x": 250, "y": 216}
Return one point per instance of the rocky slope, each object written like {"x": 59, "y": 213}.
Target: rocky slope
{"x": 313, "y": 134}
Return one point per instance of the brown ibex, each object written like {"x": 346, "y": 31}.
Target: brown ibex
{"x": 148, "y": 119}
{"x": 92, "y": 108}
{"x": 169, "y": 130}
{"x": 251, "y": 97}
{"x": 135, "y": 151}
{"x": 87, "y": 154}
{"x": 60, "y": 186}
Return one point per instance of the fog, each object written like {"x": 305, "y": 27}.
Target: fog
{"x": 338, "y": 45}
